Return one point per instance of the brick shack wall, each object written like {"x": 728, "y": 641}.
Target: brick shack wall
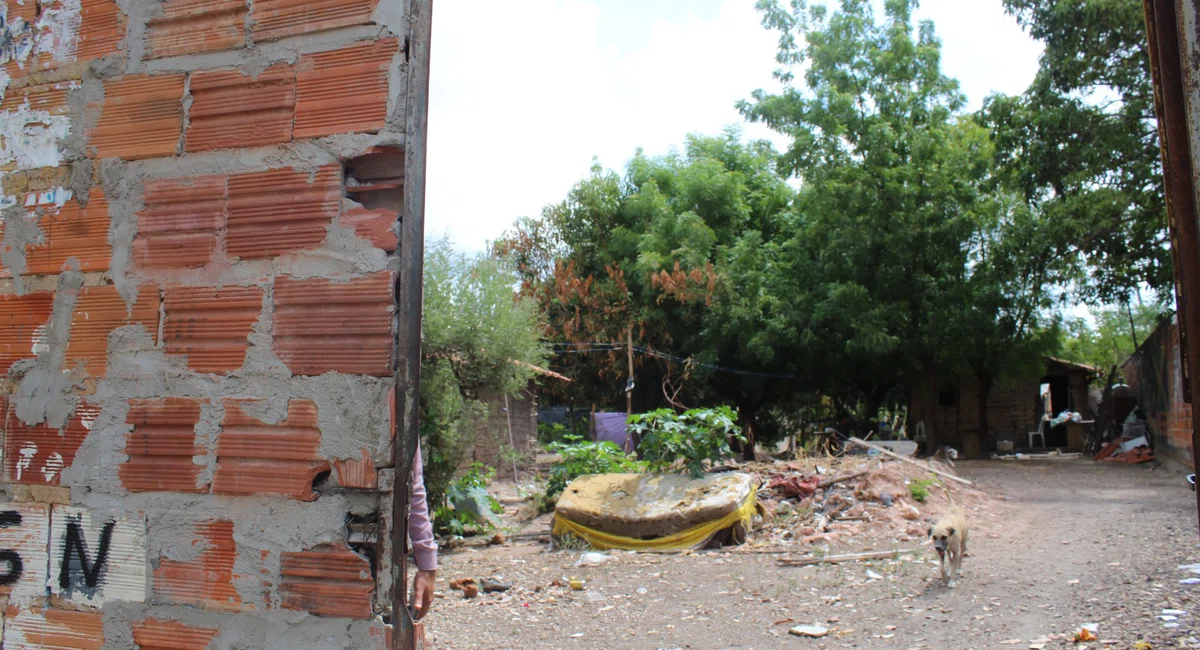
{"x": 196, "y": 319}
{"x": 491, "y": 438}
{"x": 1156, "y": 377}
{"x": 1012, "y": 409}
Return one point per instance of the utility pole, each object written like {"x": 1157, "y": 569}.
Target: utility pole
{"x": 630, "y": 436}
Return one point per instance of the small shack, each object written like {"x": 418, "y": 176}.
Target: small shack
{"x": 1154, "y": 376}
{"x": 509, "y": 432}
{"x": 1015, "y": 408}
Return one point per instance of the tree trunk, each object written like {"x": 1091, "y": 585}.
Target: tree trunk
{"x": 985, "y": 391}
{"x": 747, "y": 414}
{"x": 874, "y": 401}
{"x": 923, "y": 407}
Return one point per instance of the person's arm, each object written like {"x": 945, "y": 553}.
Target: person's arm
{"x": 420, "y": 531}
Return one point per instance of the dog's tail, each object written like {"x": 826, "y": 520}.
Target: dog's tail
{"x": 949, "y": 492}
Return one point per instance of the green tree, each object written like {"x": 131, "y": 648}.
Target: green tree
{"x": 1113, "y": 335}
{"x": 886, "y": 205}
{"x": 476, "y": 336}
{"x": 1081, "y": 144}
{"x": 681, "y": 249}
{"x": 1007, "y": 325}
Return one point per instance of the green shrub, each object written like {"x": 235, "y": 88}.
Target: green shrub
{"x": 692, "y": 437}
{"x": 581, "y": 457}
{"x": 548, "y": 434}
{"x": 468, "y": 507}
{"x": 919, "y": 489}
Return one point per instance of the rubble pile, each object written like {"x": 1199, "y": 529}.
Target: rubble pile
{"x": 854, "y": 502}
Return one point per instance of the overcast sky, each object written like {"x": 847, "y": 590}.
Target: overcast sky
{"x": 524, "y": 94}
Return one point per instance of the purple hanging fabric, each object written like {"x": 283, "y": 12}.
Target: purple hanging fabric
{"x": 611, "y": 427}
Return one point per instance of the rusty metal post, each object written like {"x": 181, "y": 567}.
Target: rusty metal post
{"x": 1171, "y": 104}
{"x": 409, "y": 308}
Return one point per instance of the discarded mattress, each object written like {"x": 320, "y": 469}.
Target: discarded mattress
{"x": 655, "y": 511}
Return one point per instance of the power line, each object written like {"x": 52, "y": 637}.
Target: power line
{"x": 613, "y": 347}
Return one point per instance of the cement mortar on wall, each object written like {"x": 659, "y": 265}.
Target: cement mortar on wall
{"x": 352, "y": 410}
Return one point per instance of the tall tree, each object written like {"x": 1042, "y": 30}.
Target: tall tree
{"x": 1081, "y": 143}
{"x": 885, "y": 205}
{"x": 681, "y": 249}
{"x": 1007, "y": 325}
{"x": 474, "y": 329}
{"x": 1114, "y": 333}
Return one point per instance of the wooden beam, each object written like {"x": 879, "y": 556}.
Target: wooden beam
{"x": 849, "y": 557}
{"x": 834, "y": 481}
{"x": 888, "y": 452}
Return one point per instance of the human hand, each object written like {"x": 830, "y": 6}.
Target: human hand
{"x": 422, "y": 593}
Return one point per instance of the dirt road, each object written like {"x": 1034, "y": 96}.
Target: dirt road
{"x": 1076, "y": 542}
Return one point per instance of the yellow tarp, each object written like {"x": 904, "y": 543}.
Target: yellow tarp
{"x": 693, "y": 537}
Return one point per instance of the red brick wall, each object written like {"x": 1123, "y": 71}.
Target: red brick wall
{"x": 196, "y": 318}
{"x": 1155, "y": 375}
{"x": 1011, "y": 409}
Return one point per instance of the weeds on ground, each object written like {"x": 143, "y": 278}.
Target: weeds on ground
{"x": 919, "y": 489}
{"x": 571, "y": 542}
{"x": 469, "y": 508}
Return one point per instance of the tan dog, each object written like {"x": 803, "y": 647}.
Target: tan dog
{"x": 949, "y": 536}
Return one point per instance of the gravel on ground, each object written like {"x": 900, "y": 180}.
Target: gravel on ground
{"x": 1066, "y": 543}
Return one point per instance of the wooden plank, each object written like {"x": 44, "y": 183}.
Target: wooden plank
{"x": 910, "y": 461}
{"x": 849, "y": 557}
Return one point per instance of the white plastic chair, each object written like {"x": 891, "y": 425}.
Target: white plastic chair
{"x": 1040, "y": 433}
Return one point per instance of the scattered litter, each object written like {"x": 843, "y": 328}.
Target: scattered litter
{"x": 794, "y": 486}
{"x": 1084, "y": 635}
{"x": 1010, "y": 642}
{"x": 1174, "y": 612}
{"x": 577, "y": 635}
{"x": 1190, "y": 581}
{"x": 810, "y": 631}
{"x": 465, "y": 585}
{"x": 1194, "y": 568}
{"x": 576, "y": 585}
{"x": 871, "y": 575}
{"x": 1168, "y": 617}
{"x": 642, "y": 591}
{"x": 592, "y": 559}
{"x": 495, "y": 587}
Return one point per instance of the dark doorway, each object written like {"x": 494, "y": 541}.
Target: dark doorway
{"x": 1059, "y": 401}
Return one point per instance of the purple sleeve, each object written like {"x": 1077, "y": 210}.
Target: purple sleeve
{"x": 420, "y": 530}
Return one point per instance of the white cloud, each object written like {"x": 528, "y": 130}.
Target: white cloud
{"x": 524, "y": 94}
{"x": 982, "y": 47}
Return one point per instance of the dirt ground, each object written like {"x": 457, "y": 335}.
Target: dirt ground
{"x": 1069, "y": 542}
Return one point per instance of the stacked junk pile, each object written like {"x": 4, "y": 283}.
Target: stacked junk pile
{"x": 856, "y": 502}
{"x": 863, "y": 501}
{"x": 1132, "y": 445}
